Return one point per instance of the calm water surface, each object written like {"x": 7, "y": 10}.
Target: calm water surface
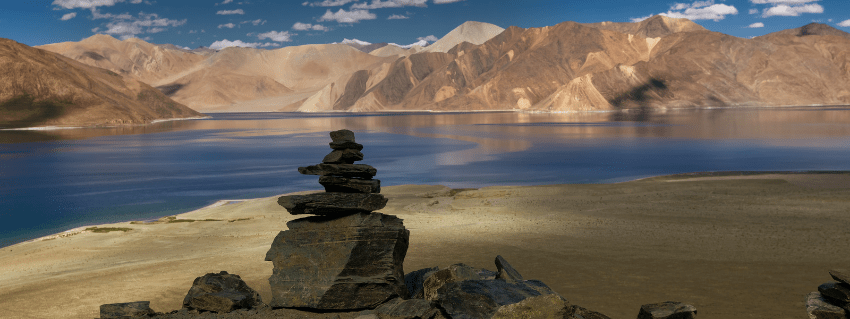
{"x": 51, "y": 181}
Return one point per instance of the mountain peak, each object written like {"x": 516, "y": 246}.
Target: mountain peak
{"x": 470, "y": 31}
{"x": 815, "y": 28}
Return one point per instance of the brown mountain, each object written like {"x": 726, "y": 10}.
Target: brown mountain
{"x": 659, "y": 62}
{"x": 41, "y": 88}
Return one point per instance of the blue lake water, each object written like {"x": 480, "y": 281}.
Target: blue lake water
{"x": 51, "y": 181}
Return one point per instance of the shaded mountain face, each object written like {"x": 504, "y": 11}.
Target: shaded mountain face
{"x": 657, "y": 63}
{"x": 41, "y": 88}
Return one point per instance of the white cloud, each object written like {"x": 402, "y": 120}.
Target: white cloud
{"x": 193, "y": 31}
{"x": 327, "y": 3}
{"x": 397, "y": 17}
{"x": 279, "y": 36}
{"x": 701, "y": 10}
{"x": 97, "y": 15}
{"x": 227, "y": 25}
{"x": 225, "y": 12}
{"x": 135, "y": 1}
{"x": 792, "y": 11}
{"x": 95, "y": 30}
{"x": 782, "y": 1}
{"x": 642, "y": 18}
{"x": 446, "y": 1}
{"x": 307, "y": 27}
{"x": 218, "y": 45}
{"x": 420, "y": 43}
{"x": 756, "y": 25}
{"x": 343, "y": 16}
{"x": 224, "y": 2}
{"x": 68, "y": 16}
{"x": 145, "y": 23}
{"x": 254, "y": 22}
{"x": 155, "y": 30}
{"x": 845, "y": 23}
{"x": 377, "y": 4}
{"x": 754, "y": 11}
{"x": 430, "y": 38}
{"x": 87, "y": 4}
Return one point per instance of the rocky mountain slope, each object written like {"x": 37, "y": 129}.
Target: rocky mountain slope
{"x": 471, "y": 31}
{"x": 41, "y": 88}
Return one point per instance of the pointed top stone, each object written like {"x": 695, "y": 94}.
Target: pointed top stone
{"x": 842, "y": 275}
{"x": 506, "y": 272}
{"x": 342, "y": 136}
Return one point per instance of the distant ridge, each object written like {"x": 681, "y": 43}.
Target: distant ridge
{"x": 653, "y": 27}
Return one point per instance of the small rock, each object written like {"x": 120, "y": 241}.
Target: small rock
{"x": 546, "y": 306}
{"x": 346, "y": 145}
{"x": 476, "y": 299}
{"x": 577, "y": 312}
{"x": 841, "y": 275}
{"x": 453, "y": 273}
{"x": 407, "y": 309}
{"x": 839, "y": 292}
{"x": 126, "y": 310}
{"x": 415, "y": 281}
{"x": 344, "y": 170}
{"x": 506, "y": 272}
{"x": 342, "y": 136}
{"x": 667, "y": 310}
{"x": 350, "y": 185}
{"x": 347, "y": 156}
{"x": 818, "y": 308}
{"x": 221, "y": 293}
{"x": 338, "y": 204}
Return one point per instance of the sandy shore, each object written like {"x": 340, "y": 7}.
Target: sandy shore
{"x": 733, "y": 246}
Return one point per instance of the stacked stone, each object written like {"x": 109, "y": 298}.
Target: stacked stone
{"x": 349, "y": 258}
{"x": 832, "y": 300}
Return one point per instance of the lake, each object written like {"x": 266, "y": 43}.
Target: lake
{"x": 55, "y": 180}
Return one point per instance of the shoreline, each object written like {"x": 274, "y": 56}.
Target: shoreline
{"x": 52, "y": 128}
{"x": 671, "y": 177}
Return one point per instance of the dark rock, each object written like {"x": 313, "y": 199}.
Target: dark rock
{"x": 346, "y": 145}
{"x": 481, "y": 298}
{"x": 126, "y": 310}
{"x": 222, "y": 293}
{"x": 506, "y": 272}
{"x": 346, "y": 263}
{"x": 342, "y": 136}
{"x": 408, "y": 309}
{"x": 347, "y": 156}
{"x": 818, "y": 308}
{"x": 332, "y": 203}
{"x": 350, "y": 185}
{"x": 577, "y": 312}
{"x": 546, "y": 306}
{"x": 454, "y": 273}
{"x": 344, "y": 170}
{"x": 415, "y": 281}
{"x": 667, "y": 310}
{"x": 841, "y": 275}
{"x": 839, "y": 292}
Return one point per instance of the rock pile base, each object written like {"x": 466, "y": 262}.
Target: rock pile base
{"x": 832, "y": 300}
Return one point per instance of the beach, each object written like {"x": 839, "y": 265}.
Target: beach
{"x": 732, "y": 245}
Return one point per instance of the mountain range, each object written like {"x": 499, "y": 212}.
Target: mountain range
{"x": 660, "y": 62}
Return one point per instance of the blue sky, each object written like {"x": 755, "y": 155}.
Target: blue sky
{"x": 273, "y": 24}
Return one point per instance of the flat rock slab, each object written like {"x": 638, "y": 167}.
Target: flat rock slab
{"x": 336, "y": 204}
{"x": 841, "y": 275}
{"x": 344, "y": 263}
{"x": 126, "y": 310}
{"x": 347, "y": 156}
{"x": 577, "y": 312}
{"x": 338, "y": 184}
{"x": 837, "y": 291}
{"x": 454, "y": 273}
{"x": 480, "y": 299}
{"x": 342, "y": 136}
{"x": 818, "y": 308}
{"x": 344, "y": 170}
{"x": 408, "y": 309}
{"x": 346, "y": 145}
{"x": 221, "y": 293}
{"x": 667, "y": 310}
{"x": 546, "y": 306}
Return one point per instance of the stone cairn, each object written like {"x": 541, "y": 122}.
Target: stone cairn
{"x": 346, "y": 262}
{"x": 832, "y": 300}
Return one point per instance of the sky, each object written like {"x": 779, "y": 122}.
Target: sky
{"x": 274, "y": 24}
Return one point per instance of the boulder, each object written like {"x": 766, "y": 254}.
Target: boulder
{"x": 332, "y": 203}
{"x": 344, "y": 170}
{"x": 408, "y": 309}
{"x": 835, "y": 291}
{"x": 415, "y": 281}
{"x": 545, "y": 306}
{"x": 346, "y": 145}
{"x": 350, "y": 185}
{"x": 453, "y": 273}
{"x": 841, "y": 275}
{"x": 473, "y": 299}
{"x": 506, "y": 272}
{"x": 344, "y": 263}
{"x": 126, "y": 310}
{"x": 221, "y": 293}
{"x": 342, "y": 136}
{"x": 667, "y": 310}
{"x": 347, "y": 156}
{"x": 818, "y": 308}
